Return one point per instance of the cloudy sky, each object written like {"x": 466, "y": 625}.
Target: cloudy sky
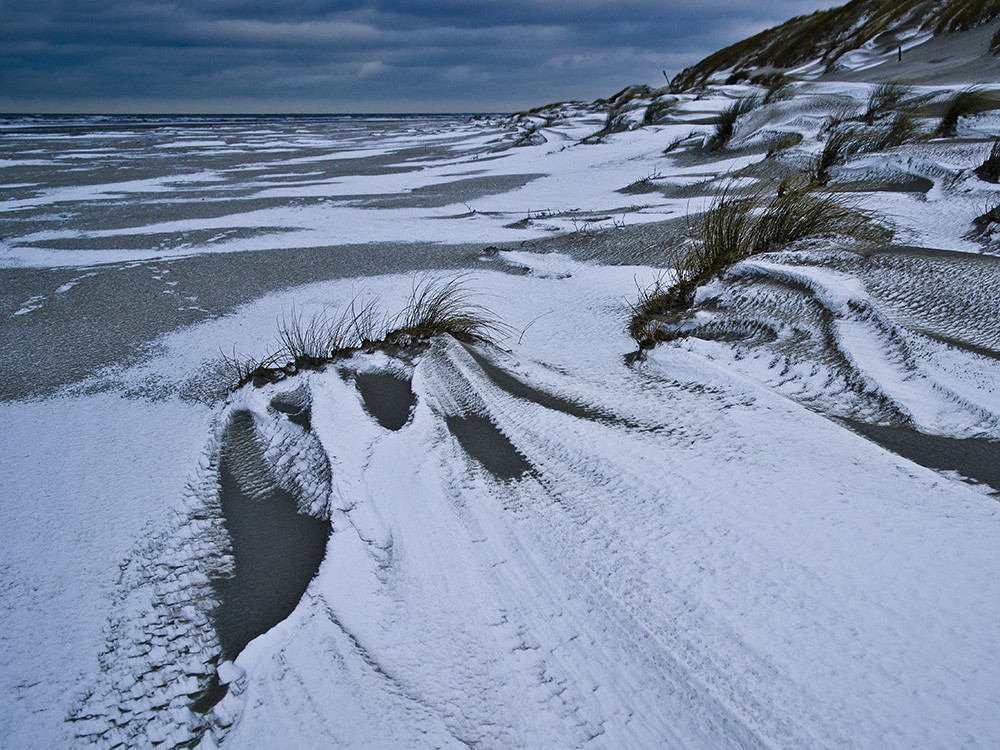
{"x": 317, "y": 56}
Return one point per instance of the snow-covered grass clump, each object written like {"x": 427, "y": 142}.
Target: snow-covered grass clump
{"x": 436, "y": 307}
{"x": 737, "y": 226}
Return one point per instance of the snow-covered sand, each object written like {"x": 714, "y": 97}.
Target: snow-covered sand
{"x": 556, "y": 548}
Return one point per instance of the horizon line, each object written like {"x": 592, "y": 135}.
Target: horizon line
{"x": 251, "y": 114}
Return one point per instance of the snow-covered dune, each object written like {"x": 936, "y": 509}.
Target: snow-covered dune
{"x": 682, "y": 557}
{"x": 776, "y": 527}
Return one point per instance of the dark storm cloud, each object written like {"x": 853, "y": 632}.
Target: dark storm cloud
{"x": 327, "y": 56}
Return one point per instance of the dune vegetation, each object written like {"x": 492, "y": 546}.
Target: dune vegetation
{"x": 846, "y": 141}
{"x": 739, "y": 225}
{"x": 963, "y": 103}
{"x": 725, "y": 125}
{"x": 827, "y": 35}
{"x": 435, "y": 307}
{"x": 886, "y": 97}
{"x": 989, "y": 170}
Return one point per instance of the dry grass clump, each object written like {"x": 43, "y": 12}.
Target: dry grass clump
{"x": 311, "y": 343}
{"x": 903, "y": 128}
{"x": 845, "y": 142}
{"x": 766, "y": 79}
{"x": 725, "y": 126}
{"x": 799, "y": 212}
{"x": 885, "y": 98}
{"x": 435, "y": 307}
{"x": 618, "y": 106}
{"x": 838, "y": 117}
{"x": 958, "y": 15}
{"x": 989, "y": 170}
{"x": 777, "y": 84}
{"x": 962, "y": 104}
{"x": 841, "y": 144}
{"x": 783, "y": 142}
{"x": 239, "y": 371}
{"x": 656, "y": 111}
{"x": 684, "y": 140}
{"x": 738, "y": 226}
{"x": 443, "y": 307}
{"x": 656, "y": 302}
{"x": 627, "y": 95}
{"x": 983, "y": 224}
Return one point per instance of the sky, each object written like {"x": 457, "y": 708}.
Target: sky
{"x": 353, "y": 56}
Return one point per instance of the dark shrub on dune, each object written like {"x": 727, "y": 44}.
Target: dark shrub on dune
{"x": 885, "y": 98}
{"x": 984, "y": 224}
{"x": 436, "y": 307}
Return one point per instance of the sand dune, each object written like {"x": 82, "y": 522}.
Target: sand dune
{"x": 776, "y": 527}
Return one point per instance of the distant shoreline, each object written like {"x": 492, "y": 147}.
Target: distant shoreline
{"x": 236, "y": 117}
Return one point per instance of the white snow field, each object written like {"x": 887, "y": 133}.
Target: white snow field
{"x": 778, "y": 529}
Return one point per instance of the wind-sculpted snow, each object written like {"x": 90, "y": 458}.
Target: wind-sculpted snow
{"x": 161, "y": 650}
{"x": 160, "y": 672}
{"x": 684, "y": 557}
{"x": 817, "y": 334}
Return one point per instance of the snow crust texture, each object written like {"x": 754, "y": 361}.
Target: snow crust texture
{"x": 888, "y": 355}
{"x": 164, "y": 666}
